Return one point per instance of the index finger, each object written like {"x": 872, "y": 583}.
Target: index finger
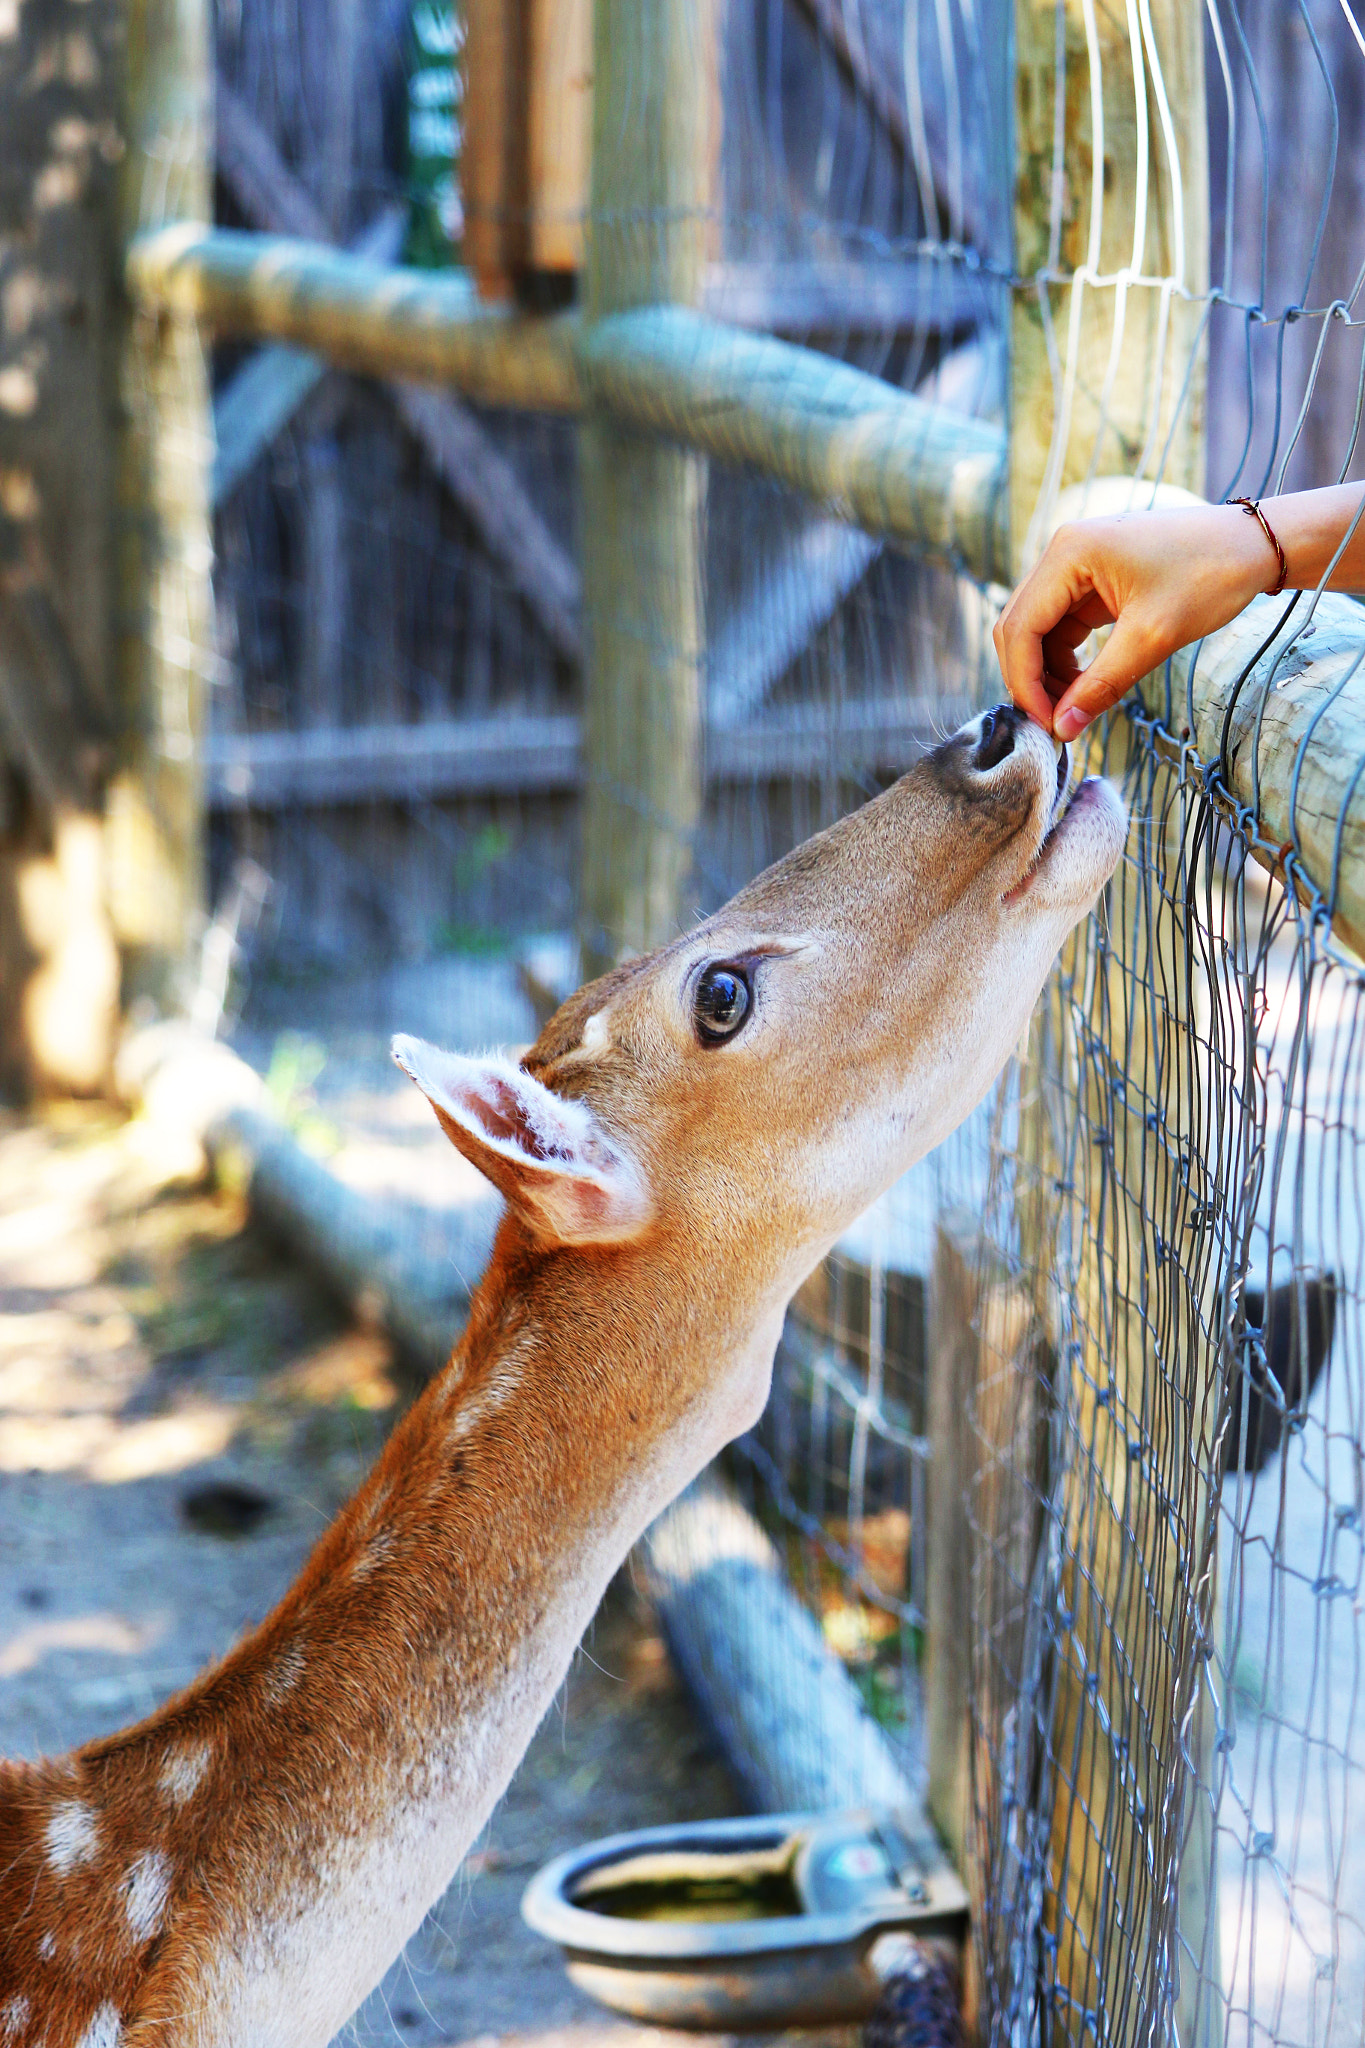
{"x": 1020, "y": 654}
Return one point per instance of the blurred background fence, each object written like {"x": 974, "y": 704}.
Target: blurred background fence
{"x": 567, "y": 455}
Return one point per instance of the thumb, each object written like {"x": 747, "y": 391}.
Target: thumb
{"x": 1132, "y": 651}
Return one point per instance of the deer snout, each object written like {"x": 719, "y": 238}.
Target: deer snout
{"x": 1000, "y": 729}
{"x": 996, "y": 741}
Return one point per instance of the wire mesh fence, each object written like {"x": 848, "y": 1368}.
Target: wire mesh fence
{"x": 491, "y": 699}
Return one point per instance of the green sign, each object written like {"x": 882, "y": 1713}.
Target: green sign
{"x": 435, "y": 95}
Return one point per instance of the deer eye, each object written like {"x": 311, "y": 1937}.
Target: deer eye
{"x": 721, "y": 1003}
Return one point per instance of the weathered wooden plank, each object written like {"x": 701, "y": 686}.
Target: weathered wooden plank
{"x": 493, "y": 157}
{"x": 511, "y": 755}
{"x": 485, "y": 484}
{"x": 474, "y": 470}
{"x": 788, "y": 1716}
{"x": 928, "y": 294}
{"x": 794, "y": 594}
{"x": 357, "y": 764}
{"x": 256, "y": 406}
{"x": 262, "y": 183}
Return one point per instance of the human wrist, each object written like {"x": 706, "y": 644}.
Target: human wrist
{"x": 1311, "y": 526}
{"x": 1255, "y": 512}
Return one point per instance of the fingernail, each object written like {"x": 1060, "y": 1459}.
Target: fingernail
{"x": 1068, "y": 723}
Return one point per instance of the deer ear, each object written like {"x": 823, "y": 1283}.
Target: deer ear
{"x": 550, "y": 1157}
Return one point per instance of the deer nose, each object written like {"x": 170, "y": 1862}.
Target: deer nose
{"x": 998, "y": 727}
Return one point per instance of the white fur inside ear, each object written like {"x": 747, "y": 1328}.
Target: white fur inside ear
{"x": 493, "y": 1087}
{"x": 570, "y": 1172}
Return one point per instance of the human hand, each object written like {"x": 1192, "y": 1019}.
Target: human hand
{"x": 1160, "y": 579}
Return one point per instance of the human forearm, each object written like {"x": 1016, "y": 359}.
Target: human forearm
{"x": 1310, "y": 527}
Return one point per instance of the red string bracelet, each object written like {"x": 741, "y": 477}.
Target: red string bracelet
{"x": 1252, "y": 508}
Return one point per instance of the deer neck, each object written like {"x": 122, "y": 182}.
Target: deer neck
{"x": 305, "y": 1804}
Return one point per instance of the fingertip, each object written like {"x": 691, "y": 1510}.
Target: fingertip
{"x": 1068, "y": 723}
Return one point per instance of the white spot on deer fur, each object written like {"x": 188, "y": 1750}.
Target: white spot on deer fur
{"x": 376, "y": 1552}
{"x": 72, "y": 1836}
{"x": 596, "y": 1037}
{"x": 47, "y": 1947}
{"x": 104, "y": 2030}
{"x": 284, "y": 1675}
{"x": 13, "y": 2016}
{"x": 486, "y": 1399}
{"x": 182, "y": 1773}
{"x": 146, "y": 1889}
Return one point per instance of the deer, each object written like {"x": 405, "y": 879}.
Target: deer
{"x": 686, "y": 1139}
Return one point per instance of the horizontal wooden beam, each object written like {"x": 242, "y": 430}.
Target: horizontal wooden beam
{"x": 373, "y": 318}
{"x": 538, "y": 755}
{"x": 1295, "y": 741}
{"x": 900, "y": 468}
{"x": 929, "y": 294}
{"x": 903, "y": 469}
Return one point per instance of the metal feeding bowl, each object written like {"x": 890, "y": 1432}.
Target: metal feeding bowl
{"x": 745, "y": 1923}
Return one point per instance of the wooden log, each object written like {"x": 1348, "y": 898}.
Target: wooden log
{"x": 1295, "y": 724}
{"x": 473, "y": 469}
{"x": 527, "y": 754}
{"x": 156, "y": 824}
{"x": 62, "y": 130}
{"x": 361, "y": 316}
{"x": 926, "y": 294}
{"x": 894, "y": 465}
{"x": 1127, "y": 395}
{"x": 985, "y": 1511}
{"x": 786, "y": 1713}
{"x": 900, "y": 468}
{"x": 258, "y": 403}
{"x": 650, "y": 228}
{"x": 407, "y": 1266}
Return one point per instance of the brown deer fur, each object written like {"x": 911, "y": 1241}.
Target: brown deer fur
{"x": 241, "y": 1867}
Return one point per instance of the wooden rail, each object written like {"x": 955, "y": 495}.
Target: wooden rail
{"x": 524, "y": 754}
{"x": 894, "y": 465}
{"x": 902, "y": 469}
{"x": 360, "y": 315}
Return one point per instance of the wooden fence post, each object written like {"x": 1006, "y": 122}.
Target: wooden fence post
{"x": 1126, "y": 397}
{"x": 156, "y": 811}
{"x": 59, "y": 138}
{"x": 649, "y": 229}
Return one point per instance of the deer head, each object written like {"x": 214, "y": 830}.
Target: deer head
{"x": 727, "y": 1105}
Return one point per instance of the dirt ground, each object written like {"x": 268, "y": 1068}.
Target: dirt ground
{"x": 182, "y": 1409}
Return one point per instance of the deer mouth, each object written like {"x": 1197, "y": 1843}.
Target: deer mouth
{"x": 1068, "y": 805}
